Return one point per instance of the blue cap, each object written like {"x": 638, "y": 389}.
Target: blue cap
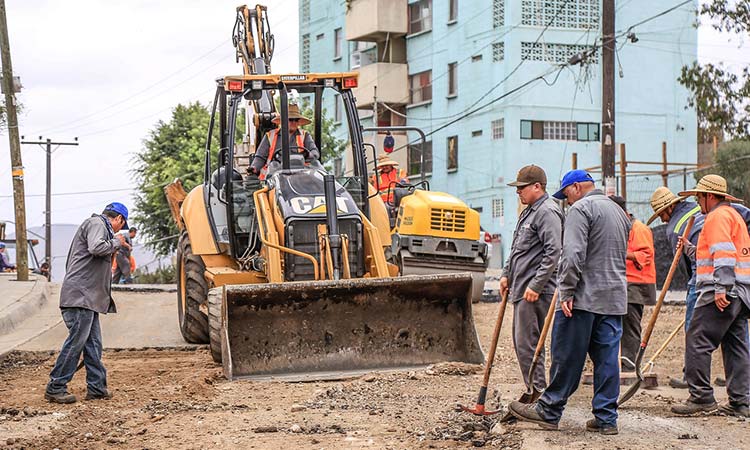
{"x": 573, "y": 176}
{"x": 119, "y": 208}
{"x": 2, "y": 244}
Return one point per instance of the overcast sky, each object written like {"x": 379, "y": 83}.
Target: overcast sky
{"x": 107, "y": 71}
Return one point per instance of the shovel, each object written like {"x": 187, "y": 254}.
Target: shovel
{"x": 650, "y": 328}
{"x": 478, "y": 409}
{"x": 650, "y": 364}
{"x": 531, "y": 394}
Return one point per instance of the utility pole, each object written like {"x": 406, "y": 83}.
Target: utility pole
{"x": 608, "y": 95}
{"x": 22, "y": 253}
{"x": 47, "y": 145}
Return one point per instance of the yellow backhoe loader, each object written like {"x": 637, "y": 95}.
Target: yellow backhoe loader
{"x": 286, "y": 278}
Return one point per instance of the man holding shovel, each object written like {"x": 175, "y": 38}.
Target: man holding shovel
{"x": 723, "y": 304}
{"x": 593, "y": 298}
{"x": 529, "y": 276}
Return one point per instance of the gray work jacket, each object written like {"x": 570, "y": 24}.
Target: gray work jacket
{"x": 535, "y": 251}
{"x": 592, "y": 265}
{"x": 261, "y": 154}
{"x": 88, "y": 271}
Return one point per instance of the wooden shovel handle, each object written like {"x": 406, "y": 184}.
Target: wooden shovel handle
{"x": 495, "y": 335}
{"x": 667, "y": 282}
{"x": 543, "y": 334}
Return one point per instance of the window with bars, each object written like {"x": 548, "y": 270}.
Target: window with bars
{"x": 305, "y": 64}
{"x": 498, "y": 206}
{"x": 305, "y": 7}
{"x": 420, "y": 87}
{"x": 420, "y": 16}
{"x": 498, "y": 13}
{"x": 498, "y": 128}
{"x": 561, "y": 131}
{"x": 498, "y": 51}
{"x": 453, "y": 11}
{"x": 452, "y": 154}
{"x": 575, "y": 14}
{"x": 337, "y": 41}
{"x": 452, "y": 79}
{"x": 553, "y": 53}
{"x": 415, "y": 153}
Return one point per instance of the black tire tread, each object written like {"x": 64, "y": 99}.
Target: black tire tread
{"x": 215, "y": 298}
{"x": 194, "y": 323}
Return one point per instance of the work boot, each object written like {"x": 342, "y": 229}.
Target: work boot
{"x": 594, "y": 426}
{"x": 719, "y": 381}
{"x": 528, "y": 413}
{"x": 734, "y": 410}
{"x": 92, "y": 396}
{"x": 689, "y": 408}
{"x": 678, "y": 383}
{"x": 61, "y": 397}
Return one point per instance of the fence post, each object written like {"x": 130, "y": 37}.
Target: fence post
{"x": 575, "y": 160}
{"x": 664, "y": 174}
{"x": 623, "y": 173}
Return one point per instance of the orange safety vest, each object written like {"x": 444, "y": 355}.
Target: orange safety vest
{"x": 272, "y": 137}
{"x": 394, "y": 176}
{"x": 641, "y": 244}
{"x": 723, "y": 253}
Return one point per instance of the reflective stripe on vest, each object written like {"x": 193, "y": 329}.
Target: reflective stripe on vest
{"x": 272, "y": 149}
{"x": 685, "y": 217}
{"x": 723, "y": 252}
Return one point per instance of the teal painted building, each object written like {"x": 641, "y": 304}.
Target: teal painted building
{"x": 430, "y": 62}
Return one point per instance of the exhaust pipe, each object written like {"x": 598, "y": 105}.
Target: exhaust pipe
{"x": 332, "y": 223}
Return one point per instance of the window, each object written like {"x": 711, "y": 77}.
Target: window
{"x": 420, "y": 16}
{"x": 498, "y": 51}
{"x": 476, "y": 133}
{"x": 305, "y": 7}
{"x": 498, "y": 13}
{"x": 415, "y": 153}
{"x": 453, "y": 11}
{"x": 337, "y": 40}
{"x": 553, "y": 53}
{"x": 532, "y": 129}
{"x": 573, "y": 14}
{"x": 305, "y": 63}
{"x": 498, "y": 206}
{"x": 420, "y": 87}
{"x": 320, "y": 36}
{"x": 561, "y": 131}
{"x": 498, "y": 128}
{"x": 452, "y": 158}
{"x": 337, "y": 108}
{"x": 452, "y": 79}
{"x": 476, "y": 58}
{"x": 588, "y": 132}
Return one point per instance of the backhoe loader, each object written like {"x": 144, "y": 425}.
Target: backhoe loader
{"x": 286, "y": 278}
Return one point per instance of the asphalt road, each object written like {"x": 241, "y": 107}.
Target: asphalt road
{"x": 142, "y": 320}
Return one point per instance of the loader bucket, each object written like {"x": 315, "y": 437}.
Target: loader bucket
{"x": 317, "y": 330}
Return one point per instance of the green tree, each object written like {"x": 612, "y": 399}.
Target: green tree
{"x": 719, "y": 96}
{"x": 733, "y": 163}
{"x": 173, "y": 149}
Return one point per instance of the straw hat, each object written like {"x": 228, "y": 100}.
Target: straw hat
{"x": 661, "y": 199}
{"x": 712, "y": 184}
{"x": 385, "y": 160}
{"x": 293, "y": 114}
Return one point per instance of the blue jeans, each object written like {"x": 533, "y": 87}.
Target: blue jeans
{"x": 690, "y": 300}
{"x": 84, "y": 336}
{"x": 572, "y": 338}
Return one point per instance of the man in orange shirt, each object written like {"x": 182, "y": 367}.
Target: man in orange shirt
{"x": 388, "y": 177}
{"x": 640, "y": 272}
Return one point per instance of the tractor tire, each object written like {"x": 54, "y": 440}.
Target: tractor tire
{"x": 215, "y": 298}
{"x": 192, "y": 293}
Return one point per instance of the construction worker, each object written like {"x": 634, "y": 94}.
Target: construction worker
{"x": 122, "y": 266}
{"x": 5, "y": 264}
{"x": 723, "y": 305}
{"x": 592, "y": 300}
{"x": 388, "y": 176}
{"x": 530, "y": 274}
{"x": 300, "y": 141}
{"x": 86, "y": 292}
{"x": 640, "y": 271}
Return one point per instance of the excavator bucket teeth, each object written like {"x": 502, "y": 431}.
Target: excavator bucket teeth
{"x": 315, "y": 330}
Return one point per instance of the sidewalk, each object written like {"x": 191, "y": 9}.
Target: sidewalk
{"x": 25, "y": 310}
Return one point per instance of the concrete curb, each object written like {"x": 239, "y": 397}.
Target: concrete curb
{"x": 25, "y": 306}
{"x": 144, "y": 287}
